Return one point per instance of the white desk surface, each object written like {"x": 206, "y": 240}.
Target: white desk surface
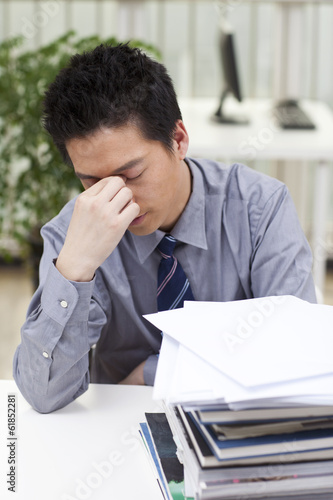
{"x": 215, "y": 140}
{"x": 58, "y": 453}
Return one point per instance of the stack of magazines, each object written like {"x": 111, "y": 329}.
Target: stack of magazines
{"x": 212, "y": 452}
{"x": 257, "y": 453}
{"x": 247, "y": 388}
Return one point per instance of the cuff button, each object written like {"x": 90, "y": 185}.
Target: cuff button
{"x": 64, "y": 304}
{"x": 45, "y": 354}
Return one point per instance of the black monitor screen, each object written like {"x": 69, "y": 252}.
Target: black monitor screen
{"x": 228, "y": 56}
{"x": 231, "y": 81}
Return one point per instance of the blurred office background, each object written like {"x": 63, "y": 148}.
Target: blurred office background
{"x": 186, "y": 34}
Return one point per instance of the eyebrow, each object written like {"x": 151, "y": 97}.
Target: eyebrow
{"x": 130, "y": 164}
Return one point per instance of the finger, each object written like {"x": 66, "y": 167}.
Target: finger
{"x": 121, "y": 199}
{"x": 108, "y": 187}
{"x": 111, "y": 187}
{"x": 130, "y": 212}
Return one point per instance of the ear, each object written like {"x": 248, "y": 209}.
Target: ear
{"x": 181, "y": 140}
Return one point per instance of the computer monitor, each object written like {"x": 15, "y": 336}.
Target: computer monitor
{"x": 230, "y": 76}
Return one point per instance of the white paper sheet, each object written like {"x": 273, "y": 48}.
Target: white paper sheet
{"x": 274, "y": 347}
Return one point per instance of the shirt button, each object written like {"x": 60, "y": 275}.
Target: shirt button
{"x": 45, "y": 354}
{"x": 64, "y": 304}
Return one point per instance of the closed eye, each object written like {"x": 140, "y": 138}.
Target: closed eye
{"x": 134, "y": 178}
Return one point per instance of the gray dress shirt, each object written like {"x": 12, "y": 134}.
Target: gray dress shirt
{"x": 239, "y": 237}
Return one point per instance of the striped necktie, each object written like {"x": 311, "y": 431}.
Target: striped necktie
{"x": 173, "y": 286}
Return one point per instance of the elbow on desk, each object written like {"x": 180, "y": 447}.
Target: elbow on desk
{"x": 41, "y": 406}
{"x": 46, "y": 403}
{"x": 50, "y": 398}
{"x": 39, "y": 403}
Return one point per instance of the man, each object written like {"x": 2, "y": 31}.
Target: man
{"x": 114, "y": 116}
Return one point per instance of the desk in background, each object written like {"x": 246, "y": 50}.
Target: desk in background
{"x": 261, "y": 139}
{"x": 89, "y": 450}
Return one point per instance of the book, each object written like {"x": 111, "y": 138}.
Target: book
{"x": 275, "y": 444}
{"x": 166, "y": 452}
{"x": 223, "y": 414}
{"x": 151, "y": 452}
{"x": 286, "y": 487}
{"x": 239, "y": 430}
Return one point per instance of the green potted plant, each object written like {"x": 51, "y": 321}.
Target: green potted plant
{"x": 35, "y": 183}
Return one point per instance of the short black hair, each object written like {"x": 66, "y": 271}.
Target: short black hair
{"x": 111, "y": 86}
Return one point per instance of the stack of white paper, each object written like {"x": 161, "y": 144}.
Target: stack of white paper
{"x": 256, "y": 352}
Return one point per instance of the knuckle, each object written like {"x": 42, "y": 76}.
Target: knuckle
{"x": 94, "y": 205}
{"x": 114, "y": 224}
{"x": 81, "y": 200}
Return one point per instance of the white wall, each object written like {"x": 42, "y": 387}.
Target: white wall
{"x": 186, "y": 32}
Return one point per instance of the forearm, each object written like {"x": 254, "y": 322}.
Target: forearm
{"x": 51, "y": 364}
{"x": 50, "y": 383}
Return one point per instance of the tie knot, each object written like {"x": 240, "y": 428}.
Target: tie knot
{"x": 167, "y": 246}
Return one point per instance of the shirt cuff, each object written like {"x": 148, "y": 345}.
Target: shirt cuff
{"x": 64, "y": 300}
{"x": 149, "y": 370}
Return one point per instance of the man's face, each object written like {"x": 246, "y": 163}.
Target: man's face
{"x": 159, "y": 180}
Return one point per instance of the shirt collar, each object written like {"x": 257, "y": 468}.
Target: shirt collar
{"x": 190, "y": 227}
